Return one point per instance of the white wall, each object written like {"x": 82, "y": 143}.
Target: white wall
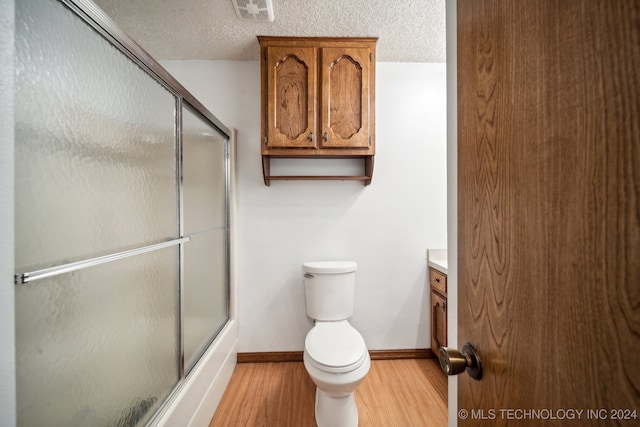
{"x": 7, "y": 340}
{"x": 386, "y": 227}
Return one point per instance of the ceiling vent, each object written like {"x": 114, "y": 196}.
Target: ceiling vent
{"x": 254, "y": 10}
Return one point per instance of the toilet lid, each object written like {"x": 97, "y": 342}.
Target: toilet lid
{"x": 335, "y": 346}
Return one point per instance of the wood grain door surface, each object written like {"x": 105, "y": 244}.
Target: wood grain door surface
{"x": 345, "y": 97}
{"x": 549, "y": 210}
{"x": 291, "y": 105}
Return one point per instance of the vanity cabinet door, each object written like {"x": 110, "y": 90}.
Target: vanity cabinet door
{"x": 291, "y": 98}
{"x": 438, "y": 322}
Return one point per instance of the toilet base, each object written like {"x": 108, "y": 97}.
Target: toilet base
{"x": 336, "y": 411}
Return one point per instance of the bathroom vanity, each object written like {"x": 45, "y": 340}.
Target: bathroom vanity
{"x": 437, "y": 265}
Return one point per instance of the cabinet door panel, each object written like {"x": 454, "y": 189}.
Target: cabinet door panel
{"x": 291, "y": 111}
{"x": 438, "y": 322}
{"x": 345, "y": 97}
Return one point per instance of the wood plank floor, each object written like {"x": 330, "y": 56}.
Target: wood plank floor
{"x": 395, "y": 393}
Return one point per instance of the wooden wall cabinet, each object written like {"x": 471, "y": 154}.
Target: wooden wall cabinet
{"x": 438, "y": 285}
{"x": 317, "y": 101}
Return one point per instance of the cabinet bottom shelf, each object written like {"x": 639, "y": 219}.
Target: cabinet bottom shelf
{"x": 366, "y": 178}
{"x": 316, "y": 178}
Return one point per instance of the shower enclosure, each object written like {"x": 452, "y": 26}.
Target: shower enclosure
{"x": 121, "y": 222}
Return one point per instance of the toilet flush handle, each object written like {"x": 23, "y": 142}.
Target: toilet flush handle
{"x": 308, "y": 276}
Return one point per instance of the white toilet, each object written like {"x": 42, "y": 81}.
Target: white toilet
{"x": 335, "y": 354}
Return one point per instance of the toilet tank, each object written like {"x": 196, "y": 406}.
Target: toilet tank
{"x": 329, "y": 288}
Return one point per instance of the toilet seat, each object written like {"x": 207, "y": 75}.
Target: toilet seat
{"x": 335, "y": 347}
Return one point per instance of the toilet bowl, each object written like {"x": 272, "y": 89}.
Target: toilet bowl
{"x": 337, "y": 361}
{"x": 335, "y": 354}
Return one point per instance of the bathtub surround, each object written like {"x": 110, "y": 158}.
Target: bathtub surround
{"x": 386, "y": 227}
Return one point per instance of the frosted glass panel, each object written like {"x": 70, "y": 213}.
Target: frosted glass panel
{"x": 96, "y": 173}
{"x": 203, "y": 173}
{"x": 205, "y": 291}
{"x": 95, "y": 143}
{"x": 205, "y": 287}
{"x": 98, "y": 347}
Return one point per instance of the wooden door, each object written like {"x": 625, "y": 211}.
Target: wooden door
{"x": 549, "y": 209}
{"x": 345, "y": 112}
{"x": 292, "y": 97}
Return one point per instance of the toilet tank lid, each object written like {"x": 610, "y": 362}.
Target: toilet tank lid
{"x": 329, "y": 267}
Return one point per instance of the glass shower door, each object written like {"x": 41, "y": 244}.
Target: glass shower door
{"x": 95, "y": 175}
{"x": 205, "y": 220}
{"x": 121, "y": 226}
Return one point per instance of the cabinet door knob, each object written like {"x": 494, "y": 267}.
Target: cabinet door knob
{"x": 453, "y": 362}
{"x": 310, "y": 137}
{"x": 325, "y": 137}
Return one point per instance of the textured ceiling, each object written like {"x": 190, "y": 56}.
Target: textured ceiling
{"x": 408, "y": 30}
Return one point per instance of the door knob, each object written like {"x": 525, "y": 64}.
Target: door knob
{"x": 454, "y": 362}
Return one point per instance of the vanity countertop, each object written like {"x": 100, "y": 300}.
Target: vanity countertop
{"x": 437, "y": 258}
